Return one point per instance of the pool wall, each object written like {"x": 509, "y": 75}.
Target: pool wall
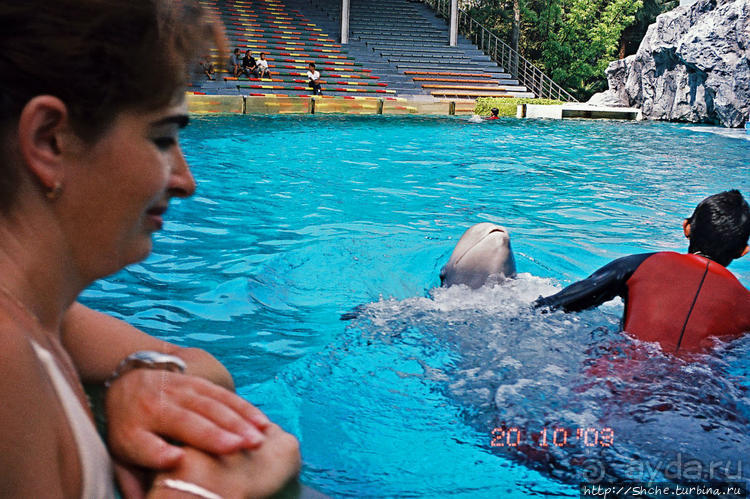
{"x": 238, "y": 104}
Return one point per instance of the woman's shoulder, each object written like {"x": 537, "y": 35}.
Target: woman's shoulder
{"x": 29, "y": 461}
{"x": 23, "y": 380}
{"x": 17, "y": 350}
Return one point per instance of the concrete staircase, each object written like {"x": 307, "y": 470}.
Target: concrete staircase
{"x": 406, "y": 45}
{"x": 396, "y": 48}
{"x": 290, "y": 42}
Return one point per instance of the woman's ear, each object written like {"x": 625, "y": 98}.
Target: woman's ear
{"x": 42, "y": 130}
{"x": 686, "y": 227}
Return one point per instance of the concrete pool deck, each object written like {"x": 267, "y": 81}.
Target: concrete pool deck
{"x": 238, "y": 104}
{"x": 415, "y": 105}
{"x": 578, "y": 110}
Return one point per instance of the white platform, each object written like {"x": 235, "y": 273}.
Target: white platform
{"x": 575, "y": 110}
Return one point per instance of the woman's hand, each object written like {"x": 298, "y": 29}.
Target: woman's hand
{"x": 145, "y": 407}
{"x": 249, "y": 473}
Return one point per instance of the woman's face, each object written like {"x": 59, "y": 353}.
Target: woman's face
{"x": 118, "y": 189}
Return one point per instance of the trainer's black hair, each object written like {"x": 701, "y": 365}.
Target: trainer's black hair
{"x": 312, "y": 64}
{"x": 720, "y": 227}
{"x": 494, "y": 110}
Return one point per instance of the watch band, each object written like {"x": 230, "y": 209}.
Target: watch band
{"x": 147, "y": 359}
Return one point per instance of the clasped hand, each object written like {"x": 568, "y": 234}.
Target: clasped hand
{"x": 148, "y": 408}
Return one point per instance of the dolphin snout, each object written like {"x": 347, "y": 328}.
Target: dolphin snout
{"x": 483, "y": 251}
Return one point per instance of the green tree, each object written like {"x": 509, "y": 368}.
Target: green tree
{"x": 573, "y": 41}
{"x": 585, "y": 38}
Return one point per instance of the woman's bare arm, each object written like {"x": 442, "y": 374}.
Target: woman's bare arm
{"x": 97, "y": 343}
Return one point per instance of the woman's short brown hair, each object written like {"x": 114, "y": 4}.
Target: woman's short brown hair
{"x": 100, "y": 57}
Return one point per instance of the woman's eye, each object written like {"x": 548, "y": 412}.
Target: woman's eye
{"x": 165, "y": 142}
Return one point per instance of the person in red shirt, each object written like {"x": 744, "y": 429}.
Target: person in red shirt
{"x": 495, "y": 114}
{"x": 677, "y": 300}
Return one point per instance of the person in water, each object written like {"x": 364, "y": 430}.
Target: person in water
{"x": 677, "y": 300}
{"x": 87, "y": 171}
{"x": 495, "y": 114}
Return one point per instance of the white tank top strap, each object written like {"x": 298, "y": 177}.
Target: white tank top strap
{"x": 96, "y": 465}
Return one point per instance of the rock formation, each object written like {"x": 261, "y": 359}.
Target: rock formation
{"x": 693, "y": 65}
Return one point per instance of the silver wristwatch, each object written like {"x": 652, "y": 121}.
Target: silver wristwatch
{"x": 147, "y": 359}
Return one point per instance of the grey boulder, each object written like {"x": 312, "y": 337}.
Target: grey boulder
{"x": 693, "y": 65}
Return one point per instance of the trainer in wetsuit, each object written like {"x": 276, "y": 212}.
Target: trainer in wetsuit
{"x": 674, "y": 299}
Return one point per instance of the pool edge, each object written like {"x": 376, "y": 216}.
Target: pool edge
{"x": 279, "y": 104}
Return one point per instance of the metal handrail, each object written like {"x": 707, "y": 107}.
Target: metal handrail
{"x": 517, "y": 65}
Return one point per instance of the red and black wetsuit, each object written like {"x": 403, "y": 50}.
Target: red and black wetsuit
{"x": 674, "y": 299}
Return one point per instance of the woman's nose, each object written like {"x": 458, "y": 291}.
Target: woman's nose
{"x": 182, "y": 183}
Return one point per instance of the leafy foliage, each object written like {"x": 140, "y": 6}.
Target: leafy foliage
{"x": 585, "y": 40}
{"x": 506, "y": 106}
{"x": 573, "y": 41}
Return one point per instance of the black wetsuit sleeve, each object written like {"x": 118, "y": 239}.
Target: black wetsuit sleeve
{"x": 603, "y": 285}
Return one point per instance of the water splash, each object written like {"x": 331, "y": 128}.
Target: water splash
{"x": 585, "y": 402}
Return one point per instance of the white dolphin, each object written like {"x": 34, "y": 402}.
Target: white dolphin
{"x": 482, "y": 253}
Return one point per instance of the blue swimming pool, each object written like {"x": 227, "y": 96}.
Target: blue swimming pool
{"x": 300, "y": 219}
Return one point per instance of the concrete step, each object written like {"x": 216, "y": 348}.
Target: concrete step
{"x": 397, "y": 31}
{"x": 327, "y": 90}
{"x": 437, "y": 51}
{"x": 412, "y": 66}
{"x": 384, "y": 24}
{"x": 465, "y": 80}
{"x": 473, "y": 87}
{"x": 388, "y": 44}
{"x": 406, "y": 40}
{"x": 416, "y": 58}
{"x": 474, "y": 94}
{"x": 385, "y": 37}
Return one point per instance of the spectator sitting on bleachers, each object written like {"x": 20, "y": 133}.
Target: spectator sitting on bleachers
{"x": 313, "y": 79}
{"x": 235, "y": 63}
{"x": 249, "y": 66}
{"x": 207, "y": 67}
{"x": 263, "y": 67}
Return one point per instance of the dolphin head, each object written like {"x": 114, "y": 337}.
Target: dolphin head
{"x": 482, "y": 252}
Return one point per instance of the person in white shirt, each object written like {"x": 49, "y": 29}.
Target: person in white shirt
{"x": 263, "y": 67}
{"x": 313, "y": 79}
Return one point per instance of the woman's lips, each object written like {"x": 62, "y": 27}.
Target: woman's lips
{"x": 156, "y": 214}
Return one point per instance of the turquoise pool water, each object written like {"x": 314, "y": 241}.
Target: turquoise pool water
{"x": 300, "y": 219}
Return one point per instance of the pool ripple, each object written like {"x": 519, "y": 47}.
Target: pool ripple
{"x": 298, "y": 219}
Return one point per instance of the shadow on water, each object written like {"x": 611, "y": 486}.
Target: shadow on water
{"x": 564, "y": 395}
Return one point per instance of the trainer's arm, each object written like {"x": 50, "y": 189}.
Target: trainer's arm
{"x": 603, "y": 285}
{"x": 98, "y": 342}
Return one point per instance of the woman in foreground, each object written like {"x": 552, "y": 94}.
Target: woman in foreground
{"x": 91, "y": 103}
